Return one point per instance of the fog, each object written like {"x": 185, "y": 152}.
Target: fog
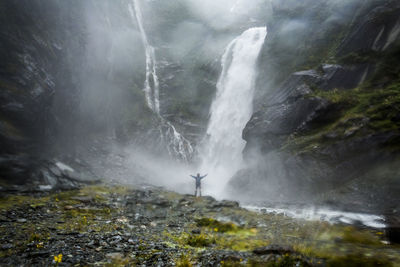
{"x": 187, "y": 35}
{"x": 225, "y": 14}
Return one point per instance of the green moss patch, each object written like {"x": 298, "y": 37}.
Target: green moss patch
{"x": 363, "y": 112}
{"x": 201, "y": 240}
{"x": 358, "y": 260}
{"x": 216, "y": 225}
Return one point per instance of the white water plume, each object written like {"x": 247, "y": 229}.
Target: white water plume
{"x": 231, "y": 110}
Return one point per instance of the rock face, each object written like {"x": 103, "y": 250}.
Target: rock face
{"x": 327, "y": 128}
{"x": 378, "y": 30}
{"x": 31, "y": 64}
{"x": 290, "y": 109}
{"x": 51, "y": 68}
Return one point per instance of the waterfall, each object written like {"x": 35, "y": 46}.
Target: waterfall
{"x": 176, "y": 144}
{"x": 151, "y": 84}
{"x": 231, "y": 109}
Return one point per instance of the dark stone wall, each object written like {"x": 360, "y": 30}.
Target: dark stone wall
{"x": 60, "y": 81}
{"x": 331, "y": 128}
{"x": 35, "y": 44}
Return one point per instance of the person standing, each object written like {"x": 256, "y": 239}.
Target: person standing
{"x": 198, "y": 183}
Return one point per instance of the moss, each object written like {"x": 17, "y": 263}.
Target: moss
{"x": 231, "y": 264}
{"x": 360, "y": 237}
{"x": 13, "y": 201}
{"x": 363, "y": 111}
{"x": 284, "y": 261}
{"x": 216, "y": 225}
{"x": 242, "y": 240}
{"x": 116, "y": 262}
{"x": 358, "y": 261}
{"x": 183, "y": 261}
{"x": 35, "y": 237}
{"x": 202, "y": 240}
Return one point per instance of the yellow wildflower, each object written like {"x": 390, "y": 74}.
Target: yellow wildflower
{"x": 58, "y": 258}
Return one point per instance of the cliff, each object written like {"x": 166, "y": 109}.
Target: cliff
{"x": 333, "y": 130}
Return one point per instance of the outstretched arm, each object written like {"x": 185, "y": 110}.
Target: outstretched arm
{"x": 193, "y": 176}
{"x": 204, "y": 176}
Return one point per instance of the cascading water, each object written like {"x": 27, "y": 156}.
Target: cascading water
{"x": 177, "y": 145}
{"x": 232, "y": 108}
{"x": 151, "y": 89}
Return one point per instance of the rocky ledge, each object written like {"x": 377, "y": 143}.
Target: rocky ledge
{"x": 148, "y": 226}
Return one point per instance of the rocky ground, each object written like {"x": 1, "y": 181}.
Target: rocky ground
{"x": 147, "y": 226}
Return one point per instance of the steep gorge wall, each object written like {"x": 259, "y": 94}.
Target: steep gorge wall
{"x": 35, "y": 42}
{"x": 68, "y": 73}
{"x": 334, "y": 128}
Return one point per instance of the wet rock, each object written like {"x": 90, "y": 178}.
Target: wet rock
{"x": 115, "y": 255}
{"x": 273, "y": 249}
{"x": 270, "y": 127}
{"x": 68, "y": 233}
{"x": 84, "y": 199}
{"x": 392, "y": 229}
{"x": 115, "y": 240}
{"x": 44, "y": 253}
{"x": 196, "y": 231}
{"x": 226, "y": 204}
{"x": 7, "y": 246}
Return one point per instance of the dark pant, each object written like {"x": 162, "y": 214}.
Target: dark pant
{"x": 198, "y": 189}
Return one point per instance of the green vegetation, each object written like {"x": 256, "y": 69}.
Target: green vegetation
{"x": 80, "y": 216}
{"x": 184, "y": 261}
{"x": 217, "y": 226}
{"x": 201, "y": 240}
{"x": 358, "y": 261}
{"x": 243, "y": 240}
{"x": 351, "y": 235}
{"x": 361, "y": 111}
{"x": 285, "y": 261}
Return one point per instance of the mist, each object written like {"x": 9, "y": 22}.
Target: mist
{"x": 109, "y": 110}
{"x": 199, "y": 133}
{"x": 189, "y": 35}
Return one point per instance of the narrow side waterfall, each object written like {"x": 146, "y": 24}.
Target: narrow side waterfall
{"x": 177, "y": 145}
{"x": 151, "y": 83}
{"x": 231, "y": 110}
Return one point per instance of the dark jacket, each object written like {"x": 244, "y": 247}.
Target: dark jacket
{"x": 198, "y": 179}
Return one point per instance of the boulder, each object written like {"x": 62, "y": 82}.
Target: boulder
{"x": 392, "y": 229}
{"x": 273, "y": 249}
